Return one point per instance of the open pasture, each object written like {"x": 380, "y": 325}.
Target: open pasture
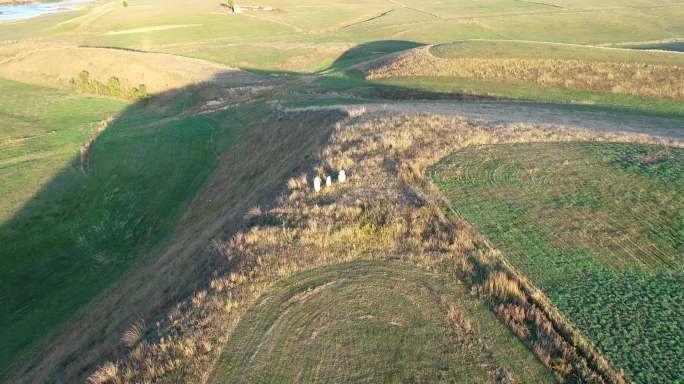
{"x": 307, "y": 36}
{"x": 40, "y": 138}
{"x": 373, "y": 322}
{"x": 296, "y": 37}
{"x": 502, "y": 49}
{"x": 598, "y": 227}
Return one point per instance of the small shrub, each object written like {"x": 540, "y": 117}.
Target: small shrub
{"x": 500, "y": 287}
{"x": 107, "y": 373}
{"x": 84, "y": 77}
{"x": 112, "y": 88}
{"x": 133, "y": 334}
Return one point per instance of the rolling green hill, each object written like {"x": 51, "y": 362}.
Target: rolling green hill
{"x": 73, "y": 223}
{"x": 151, "y": 231}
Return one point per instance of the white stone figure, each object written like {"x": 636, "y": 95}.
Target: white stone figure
{"x": 342, "y": 177}
{"x": 328, "y": 181}
{"x": 317, "y": 184}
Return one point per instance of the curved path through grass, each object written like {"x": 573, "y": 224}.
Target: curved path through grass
{"x": 373, "y": 322}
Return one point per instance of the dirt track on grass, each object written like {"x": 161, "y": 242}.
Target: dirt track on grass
{"x": 546, "y": 115}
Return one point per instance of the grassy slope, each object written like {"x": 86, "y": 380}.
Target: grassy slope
{"x": 582, "y": 220}
{"x": 45, "y": 64}
{"x": 75, "y": 234}
{"x": 371, "y": 322}
{"x": 520, "y": 89}
{"x": 37, "y": 27}
{"x": 305, "y": 36}
{"x": 39, "y": 138}
{"x": 183, "y": 262}
{"x": 523, "y": 91}
{"x": 39, "y": 145}
{"x": 500, "y": 49}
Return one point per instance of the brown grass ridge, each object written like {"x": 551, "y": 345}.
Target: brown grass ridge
{"x": 388, "y": 209}
{"x": 649, "y": 80}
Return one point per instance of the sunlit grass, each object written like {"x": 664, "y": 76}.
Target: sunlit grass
{"x": 599, "y": 227}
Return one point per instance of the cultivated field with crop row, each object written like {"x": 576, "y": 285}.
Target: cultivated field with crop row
{"x": 599, "y": 227}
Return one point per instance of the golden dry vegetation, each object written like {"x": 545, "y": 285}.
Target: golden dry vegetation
{"x": 388, "y": 209}
{"x": 630, "y": 78}
{"x": 235, "y": 240}
{"x": 48, "y": 64}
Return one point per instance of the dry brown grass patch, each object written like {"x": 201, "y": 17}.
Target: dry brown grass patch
{"x": 636, "y": 79}
{"x": 133, "y": 334}
{"x": 388, "y": 209}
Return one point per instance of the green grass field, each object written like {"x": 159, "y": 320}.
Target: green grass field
{"x": 39, "y": 139}
{"x": 598, "y": 227}
{"x": 67, "y": 235}
{"x": 501, "y": 49}
{"x": 370, "y": 322}
{"x": 304, "y": 35}
{"x": 38, "y": 149}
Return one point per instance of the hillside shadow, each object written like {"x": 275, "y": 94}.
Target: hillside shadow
{"x": 371, "y": 50}
{"x": 80, "y": 231}
{"x": 156, "y": 186}
{"x": 110, "y": 218}
{"x": 675, "y": 46}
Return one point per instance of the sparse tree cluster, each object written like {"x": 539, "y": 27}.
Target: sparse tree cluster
{"x": 113, "y": 87}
